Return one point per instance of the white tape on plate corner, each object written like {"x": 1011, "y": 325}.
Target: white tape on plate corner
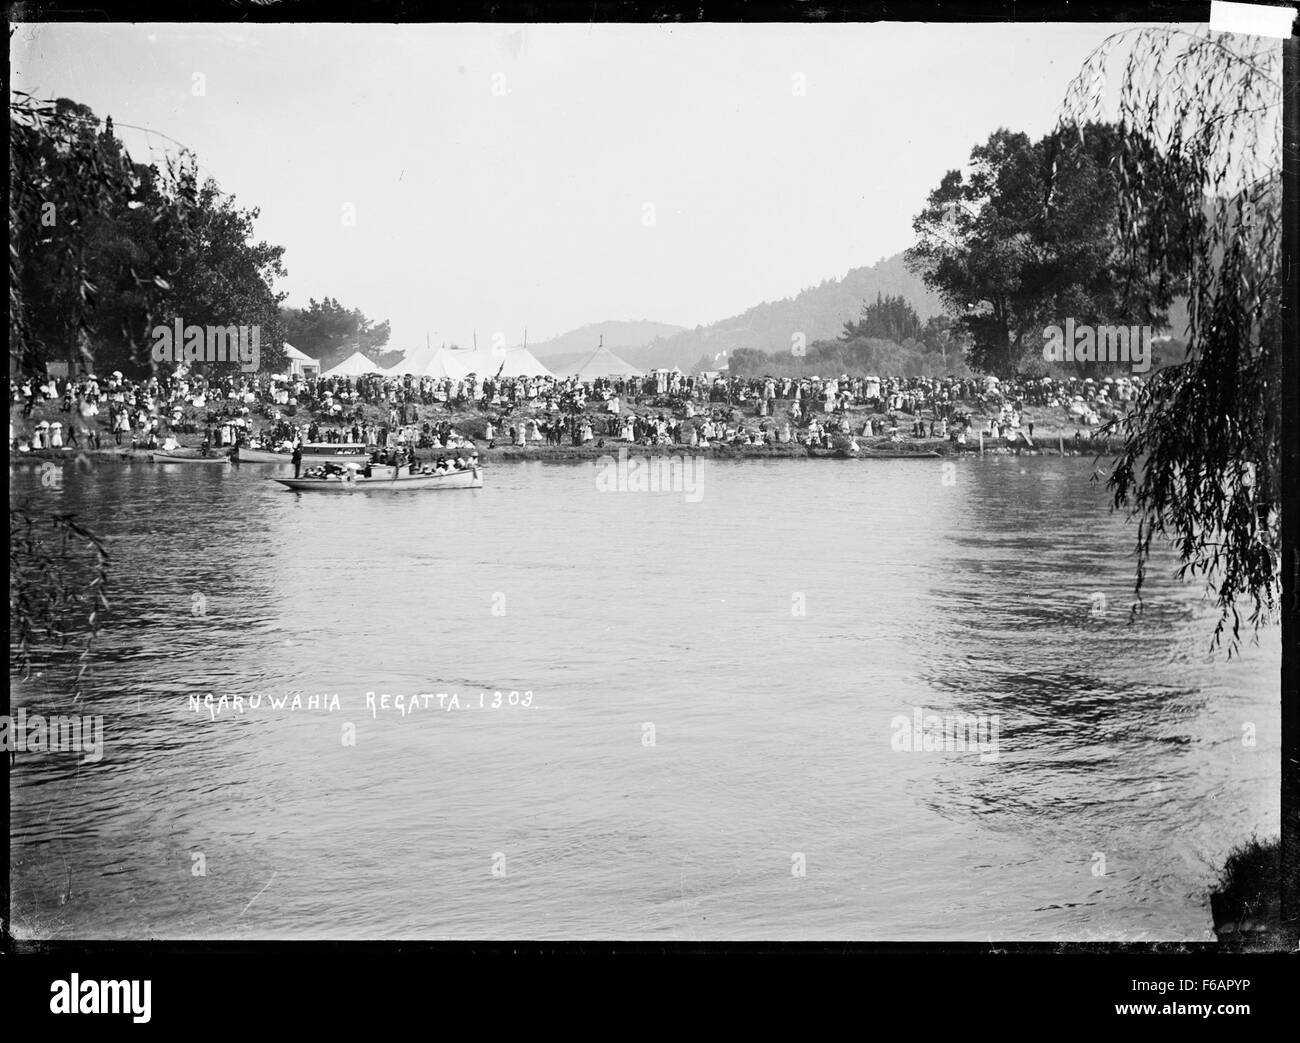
{"x": 1251, "y": 19}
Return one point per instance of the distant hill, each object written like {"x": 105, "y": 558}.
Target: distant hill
{"x": 818, "y": 312}
{"x": 583, "y": 341}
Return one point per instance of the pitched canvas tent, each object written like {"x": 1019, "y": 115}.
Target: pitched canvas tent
{"x": 510, "y": 362}
{"x": 604, "y": 363}
{"x": 457, "y": 364}
{"x": 355, "y": 365}
{"x": 428, "y": 362}
{"x": 520, "y": 362}
{"x": 299, "y": 365}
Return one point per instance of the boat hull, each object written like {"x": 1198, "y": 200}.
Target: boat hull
{"x": 263, "y": 456}
{"x": 172, "y": 458}
{"x": 467, "y": 479}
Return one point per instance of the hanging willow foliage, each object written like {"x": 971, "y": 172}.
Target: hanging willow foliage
{"x": 1200, "y": 457}
{"x": 58, "y": 579}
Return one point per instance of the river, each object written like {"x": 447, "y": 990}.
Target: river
{"x": 711, "y": 745}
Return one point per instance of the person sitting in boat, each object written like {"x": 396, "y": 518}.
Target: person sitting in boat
{"x": 441, "y": 466}
{"x": 460, "y": 462}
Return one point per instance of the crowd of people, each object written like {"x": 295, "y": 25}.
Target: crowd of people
{"x": 665, "y": 407}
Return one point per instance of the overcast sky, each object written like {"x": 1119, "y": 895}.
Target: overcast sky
{"x": 502, "y": 177}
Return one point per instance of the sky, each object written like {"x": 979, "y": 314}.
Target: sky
{"x": 484, "y": 180}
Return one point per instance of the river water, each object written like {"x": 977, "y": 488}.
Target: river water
{"x": 711, "y": 746}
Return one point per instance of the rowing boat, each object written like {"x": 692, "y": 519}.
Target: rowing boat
{"x": 163, "y": 457}
{"x": 470, "y": 478}
{"x": 900, "y": 454}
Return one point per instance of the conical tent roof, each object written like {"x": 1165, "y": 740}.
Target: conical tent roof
{"x": 428, "y": 362}
{"x": 604, "y": 363}
{"x": 520, "y": 362}
{"x": 355, "y": 365}
{"x": 509, "y": 362}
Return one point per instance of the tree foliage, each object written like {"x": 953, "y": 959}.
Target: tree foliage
{"x": 330, "y": 332}
{"x": 103, "y": 249}
{"x": 1201, "y": 451}
{"x": 860, "y": 357}
{"x": 1028, "y": 238}
{"x": 58, "y": 576}
{"x": 887, "y": 318}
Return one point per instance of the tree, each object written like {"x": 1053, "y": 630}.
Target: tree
{"x": 749, "y": 362}
{"x": 102, "y": 249}
{"x": 889, "y": 318}
{"x": 1028, "y": 238}
{"x": 67, "y": 182}
{"x": 217, "y": 273}
{"x": 328, "y": 331}
{"x": 942, "y": 336}
{"x": 1200, "y": 461}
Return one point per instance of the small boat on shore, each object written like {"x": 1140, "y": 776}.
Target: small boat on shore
{"x": 900, "y": 454}
{"x": 162, "y": 456}
{"x": 470, "y": 478}
{"x": 263, "y": 456}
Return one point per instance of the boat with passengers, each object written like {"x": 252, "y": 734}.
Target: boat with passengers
{"x": 379, "y": 477}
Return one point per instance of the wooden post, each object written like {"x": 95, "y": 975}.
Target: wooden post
{"x": 981, "y": 441}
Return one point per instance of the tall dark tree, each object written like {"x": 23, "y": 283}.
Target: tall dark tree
{"x": 1029, "y": 237}
{"x": 102, "y": 249}
{"x": 887, "y": 318}
{"x": 942, "y": 336}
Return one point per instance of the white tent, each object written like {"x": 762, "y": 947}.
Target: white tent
{"x": 520, "y": 362}
{"x": 604, "y": 363}
{"x": 509, "y": 362}
{"x": 428, "y": 362}
{"x": 355, "y": 365}
{"x": 456, "y": 364}
{"x": 298, "y": 364}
